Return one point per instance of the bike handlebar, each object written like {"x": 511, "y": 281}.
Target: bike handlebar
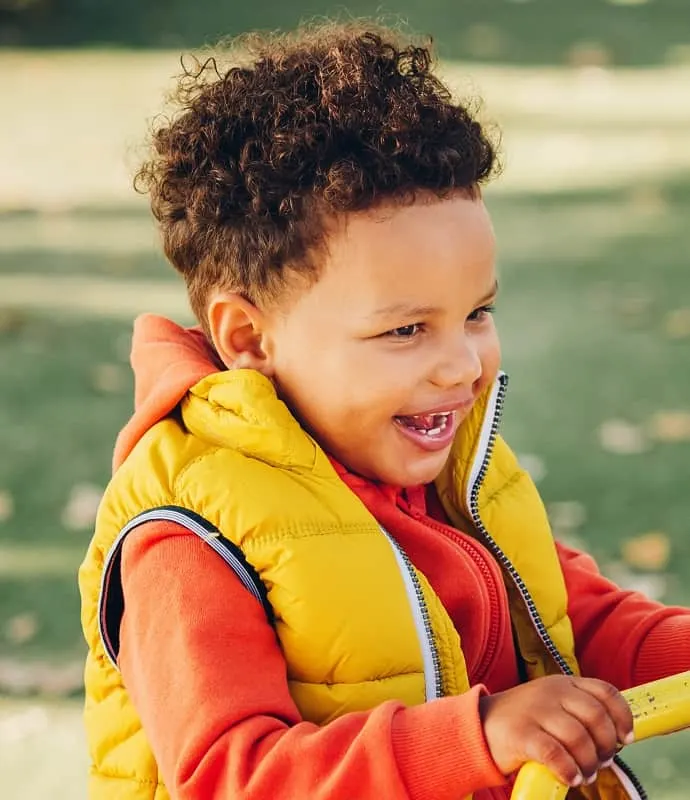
{"x": 658, "y": 708}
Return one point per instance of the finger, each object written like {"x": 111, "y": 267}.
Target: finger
{"x": 615, "y": 703}
{"x": 577, "y": 741}
{"x": 547, "y": 750}
{"x": 595, "y": 717}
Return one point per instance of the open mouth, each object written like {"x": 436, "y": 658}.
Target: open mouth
{"x": 427, "y": 424}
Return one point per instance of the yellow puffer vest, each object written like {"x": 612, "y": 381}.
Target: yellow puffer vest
{"x": 358, "y": 624}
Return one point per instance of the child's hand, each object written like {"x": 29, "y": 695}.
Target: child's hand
{"x": 572, "y": 725}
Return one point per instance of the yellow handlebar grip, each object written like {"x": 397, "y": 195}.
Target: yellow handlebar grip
{"x": 658, "y": 708}
{"x": 535, "y": 782}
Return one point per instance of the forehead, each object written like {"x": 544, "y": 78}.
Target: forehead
{"x": 430, "y": 221}
{"x": 430, "y": 250}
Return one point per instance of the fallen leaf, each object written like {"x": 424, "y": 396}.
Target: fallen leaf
{"x": 588, "y": 54}
{"x": 12, "y": 320}
{"x": 622, "y": 438}
{"x": 650, "y": 551}
{"x": 6, "y": 506}
{"x": 22, "y": 628}
{"x": 82, "y": 507}
{"x": 109, "y": 378}
{"x": 670, "y": 426}
{"x": 534, "y": 465}
{"x": 677, "y": 323}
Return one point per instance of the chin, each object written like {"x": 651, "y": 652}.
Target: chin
{"x": 426, "y": 471}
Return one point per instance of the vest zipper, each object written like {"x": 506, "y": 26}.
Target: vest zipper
{"x": 433, "y": 678}
{"x": 487, "y": 440}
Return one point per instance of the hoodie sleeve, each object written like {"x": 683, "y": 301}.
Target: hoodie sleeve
{"x": 208, "y": 679}
{"x": 650, "y": 640}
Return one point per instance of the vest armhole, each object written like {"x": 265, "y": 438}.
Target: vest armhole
{"x": 111, "y": 602}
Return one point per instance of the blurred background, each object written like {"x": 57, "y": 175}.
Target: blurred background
{"x": 593, "y": 218}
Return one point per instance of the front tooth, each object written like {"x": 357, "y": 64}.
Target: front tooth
{"x": 434, "y": 431}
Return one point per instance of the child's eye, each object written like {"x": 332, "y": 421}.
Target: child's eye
{"x": 405, "y": 332}
{"x": 481, "y": 313}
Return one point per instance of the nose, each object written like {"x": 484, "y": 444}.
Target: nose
{"x": 459, "y": 364}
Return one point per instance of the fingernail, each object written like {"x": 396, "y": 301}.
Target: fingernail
{"x": 577, "y": 781}
{"x": 591, "y": 779}
{"x": 629, "y": 738}
{"x": 607, "y": 764}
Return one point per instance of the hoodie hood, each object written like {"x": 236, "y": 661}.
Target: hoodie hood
{"x": 167, "y": 361}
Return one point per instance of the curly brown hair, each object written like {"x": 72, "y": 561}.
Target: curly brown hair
{"x": 259, "y": 156}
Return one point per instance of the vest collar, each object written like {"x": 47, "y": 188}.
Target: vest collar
{"x": 240, "y": 409}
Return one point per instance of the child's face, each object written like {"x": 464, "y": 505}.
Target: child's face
{"x": 382, "y": 358}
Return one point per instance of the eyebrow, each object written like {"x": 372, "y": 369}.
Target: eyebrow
{"x": 490, "y": 295}
{"x": 405, "y": 310}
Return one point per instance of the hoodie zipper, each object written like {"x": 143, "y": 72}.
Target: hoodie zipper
{"x": 487, "y": 441}
{"x": 488, "y": 580}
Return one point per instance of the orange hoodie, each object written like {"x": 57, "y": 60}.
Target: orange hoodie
{"x": 208, "y": 678}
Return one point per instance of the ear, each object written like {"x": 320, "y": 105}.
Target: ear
{"x": 238, "y": 333}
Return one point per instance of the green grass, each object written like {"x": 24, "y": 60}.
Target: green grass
{"x": 55, "y": 431}
{"x": 128, "y": 266}
{"x": 47, "y": 367}
{"x": 112, "y": 243}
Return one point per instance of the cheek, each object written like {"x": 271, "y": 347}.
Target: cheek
{"x": 331, "y": 387}
{"x": 369, "y": 390}
{"x": 490, "y": 355}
